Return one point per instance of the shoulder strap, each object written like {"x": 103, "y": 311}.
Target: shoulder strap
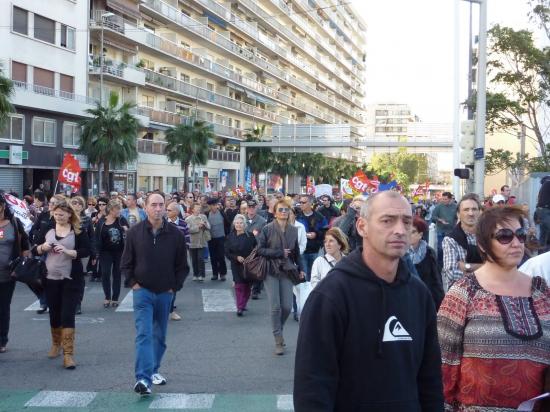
{"x": 330, "y": 263}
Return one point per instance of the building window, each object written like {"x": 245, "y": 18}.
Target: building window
{"x": 67, "y": 37}
{"x": 44, "y": 29}
{"x": 20, "y": 21}
{"x": 19, "y": 72}
{"x": 209, "y": 117}
{"x": 44, "y": 81}
{"x": 66, "y": 85}
{"x": 14, "y": 130}
{"x": 71, "y": 134}
{"x": 147, "y": 101}
{"x": 184, "y": 78}
{"x": 43, "y": 131}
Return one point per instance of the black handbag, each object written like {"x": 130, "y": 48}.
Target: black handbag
{"x": 255, "y": 266}
{"x": 29, "y": 270}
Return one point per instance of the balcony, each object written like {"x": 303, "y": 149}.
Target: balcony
{"x": 119, "y": 70}
{"x": 193, "y": 92}
{"x": 158, "y": 147}
{"x": 45, "y": 98}
{"x": 173, "y": 119}
{"x": 204, "y": 32}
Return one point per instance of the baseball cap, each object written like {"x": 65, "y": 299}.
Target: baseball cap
{"x": 498, "y": 198}
{"x": 252, "y": 203}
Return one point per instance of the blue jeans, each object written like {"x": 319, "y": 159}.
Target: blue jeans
{"x": 440, "y": 236}
{"x": 307, "y": 261}
{"x": 151, "y": 311}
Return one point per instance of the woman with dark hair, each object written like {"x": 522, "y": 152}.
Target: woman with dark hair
{"x": 14, "y": 242}
{"x": 494, "y": 323}
{"x": 238, "y": 245}
{"x": 278, "y": 242}
{"x": 425, "y": 261}
{"x": 96, "y": 216}
{"x": 109, "y": 239}
{"x": 65, "y": 245}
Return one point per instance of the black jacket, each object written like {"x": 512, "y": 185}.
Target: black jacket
{"x": 98, "y": 238}
{"x": 317, "y": 223}
{"x": 21, "y": 243}
{"x": 235, "y": 246}
{"x": 82, "y": 247}
{"x": 429, "y": 272}
{"x": 43, "y": 221}
{"x": 156, "y": 262}
{"x": 367, "y": 345}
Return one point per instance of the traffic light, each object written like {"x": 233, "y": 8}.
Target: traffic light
{"x": 467, "y": 142}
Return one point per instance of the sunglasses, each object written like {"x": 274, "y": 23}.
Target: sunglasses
{"x": 302, "y": 202}
{"x": 505, "y": 236}
{"x": 283, "y": 209}
{"x": 91, "y": 204}
{"x": 102, "y": 204}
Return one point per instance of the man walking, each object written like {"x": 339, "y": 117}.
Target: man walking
{"x": 460, "y": 254}
{"x": 316, "y": 226}
{"x": 154, "y": 263}
{"x": 216, "y": 245}
{"x": 254, "y": 225}
{"x": 368, "y": 332}
{"x": 133, "y": 214}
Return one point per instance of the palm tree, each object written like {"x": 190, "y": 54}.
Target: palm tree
{"x": 259, "y": 159}
{"x": 6, "y": 92}
{"x": 109, "y": 136}
{"x": 188, "y": 145}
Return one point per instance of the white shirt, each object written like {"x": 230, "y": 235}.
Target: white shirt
{"x": 538, "y": 266}
{"x": 320, "y": 268}
{"x": 302, "y": 238}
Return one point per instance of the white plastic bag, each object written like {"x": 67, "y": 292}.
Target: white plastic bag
{"x": 302, "y": 291}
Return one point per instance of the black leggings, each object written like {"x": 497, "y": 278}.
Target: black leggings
{"x": 109, "y": 262}
{"x": 6, "y": 293}
{"x": 63, "y": 296}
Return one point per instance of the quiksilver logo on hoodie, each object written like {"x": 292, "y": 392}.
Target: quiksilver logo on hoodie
{"x": 394, "y": 331}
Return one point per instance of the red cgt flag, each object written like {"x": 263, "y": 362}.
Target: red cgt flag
{"x": 70, "y": 171}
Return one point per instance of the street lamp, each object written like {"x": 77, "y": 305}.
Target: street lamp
{"x": 103, "y": 16}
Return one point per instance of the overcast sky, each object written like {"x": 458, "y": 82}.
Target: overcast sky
{"x": 410, "y": 50}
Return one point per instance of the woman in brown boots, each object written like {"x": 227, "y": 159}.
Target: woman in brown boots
{"x": 65, "y": 246}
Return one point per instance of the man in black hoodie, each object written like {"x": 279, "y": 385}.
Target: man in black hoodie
{"x": 368, "y": 333}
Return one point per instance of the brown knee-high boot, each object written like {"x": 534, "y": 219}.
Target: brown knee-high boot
{"x": 55, "y": 350}
{"x": 68, "y": 348}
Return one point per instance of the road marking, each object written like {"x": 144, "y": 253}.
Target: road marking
{"x": 285, "y": 403}
{"x": 182, "y": 401}
{"x": 218, "y": 300}
{"x": 59, "y": 399}
{"x": 35, "y": 306}
{"x": 127, "y": 304}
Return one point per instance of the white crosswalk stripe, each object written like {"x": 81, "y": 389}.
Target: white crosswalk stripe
{"x": 60, "y": 399}
{"x": 218, "y": 300}
{"x": 127, "y": 304}
{"x": 182, "y": 401}
{"x": 285, "y": 403}
{"x": 34, "y": 307}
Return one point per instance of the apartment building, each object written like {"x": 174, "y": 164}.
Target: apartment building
{"x": 234, "y": 64}
{"x": 44, "y": 51}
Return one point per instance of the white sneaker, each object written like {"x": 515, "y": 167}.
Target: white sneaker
{"x": 158, "y": 379}
{"x": 175, "y": 316}
{"x": 195, "y": 278}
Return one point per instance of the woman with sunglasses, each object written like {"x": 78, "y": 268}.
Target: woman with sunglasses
{"x": 494, "y": 323}
{"x": 278, "y": 242}
{"x": 96, "y": 216}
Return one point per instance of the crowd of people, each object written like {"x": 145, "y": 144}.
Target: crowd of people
{"x": 391, "y": 323}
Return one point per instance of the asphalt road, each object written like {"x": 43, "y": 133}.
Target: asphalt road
{"x": 215, "y": 361}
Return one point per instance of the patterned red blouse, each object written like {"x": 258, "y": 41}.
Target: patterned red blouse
{"x": 494, "y": 349}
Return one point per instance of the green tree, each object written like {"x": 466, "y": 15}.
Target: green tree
{"x": 519, "y": 79}
{"x": 6, "y": 92}
{"x": 188, "y": 145}
{"x": 407, "y": 168}
{"x": 259, "y": 159}
{"x": 109, "y": 136}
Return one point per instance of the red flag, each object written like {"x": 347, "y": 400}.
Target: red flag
{"x": 359, "y": 182}
{"x": 70, "y": 171}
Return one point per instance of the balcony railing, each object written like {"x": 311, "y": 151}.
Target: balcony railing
{"x": 205, "y": 32}
{"x": 194, "y": 92}
{"x": 166, "y": 117}
{"x": 158, "y": 148}
{"x": 34, "y": 88}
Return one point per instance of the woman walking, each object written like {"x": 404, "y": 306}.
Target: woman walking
{"x": 494, "y": 324}
{"x": 199, "y": 229}
{"x": 14, "y": 242}
{"x": 238, "y": 246}
{"x": 65, "y": 245}
{"x": 424, "y": 259}
{"x": 336, "y": 247}
{"x": 110, "y": 234}
{"x": 278, "y": 242}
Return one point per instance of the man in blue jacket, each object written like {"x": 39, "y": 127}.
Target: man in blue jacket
{"x": 133, "y": 214}
{"x": 368, "y": 332}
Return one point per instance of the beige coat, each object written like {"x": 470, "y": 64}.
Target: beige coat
{"x": 199, "y": 236}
